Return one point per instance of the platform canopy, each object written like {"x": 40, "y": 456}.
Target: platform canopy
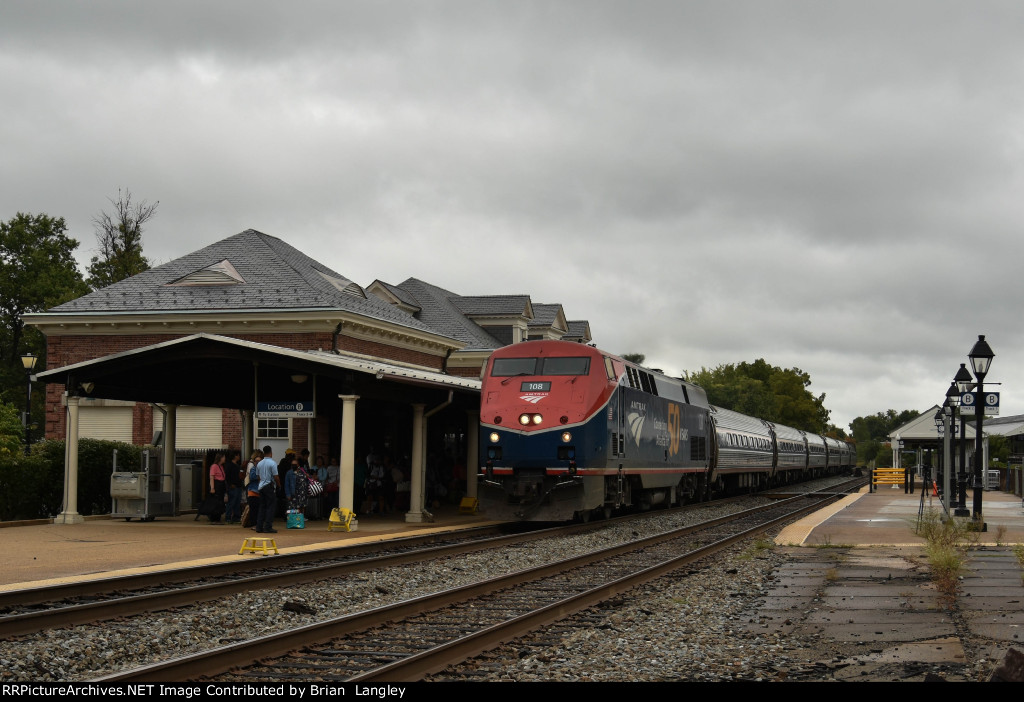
{"x": 219, "y": 371}
{"x": 921, "y": 431}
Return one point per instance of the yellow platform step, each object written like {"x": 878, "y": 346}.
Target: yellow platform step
{"x": 255, "y": 544}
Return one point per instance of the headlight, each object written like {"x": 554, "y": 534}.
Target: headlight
{"x": 537, "y": 419}
{"x": 494, "y": 437}
{"x": 524, "y": 419}
{"x": 566, "y": 437}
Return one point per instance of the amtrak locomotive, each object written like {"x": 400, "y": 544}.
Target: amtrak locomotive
{"x": 570, "y": 431}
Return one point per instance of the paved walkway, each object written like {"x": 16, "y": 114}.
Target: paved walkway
{"x": 45, "y": 553}
{"x": 861, "y": 586}
{"x": 889, "y": 517}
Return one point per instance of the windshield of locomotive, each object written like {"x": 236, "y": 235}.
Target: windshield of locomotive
{"x": 513, "y": 366}
{"x": 566, "y": 366}
{"x": 555, "y": 365}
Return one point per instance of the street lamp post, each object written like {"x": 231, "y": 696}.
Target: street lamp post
{"x": 940, "y": 430}
{"x": 981, "y": 360}
{"x": 964, "y": 383}
{"x": 28, "y": 360}
{"x": 950, "y": 407}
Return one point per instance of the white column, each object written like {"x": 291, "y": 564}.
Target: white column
{"x": 70, "y": 514}
{"x": 348, "y": 455}
{"x": 417, "y": 479}
{"x": 248, "y": 435}
{"x": 472, "y": 452}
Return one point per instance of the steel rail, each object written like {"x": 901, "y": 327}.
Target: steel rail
{"x": 436, "y": 659}
{"x": 77, "y": 614}
{"x": 221, "y": 659}
{"x": 73, "y": 615}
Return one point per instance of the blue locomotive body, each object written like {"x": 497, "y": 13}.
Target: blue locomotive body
{"x": 568, "y": 431}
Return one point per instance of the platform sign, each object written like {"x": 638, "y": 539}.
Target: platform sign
{"x": 969, "y": 403}
{"x": 285, "y": 409}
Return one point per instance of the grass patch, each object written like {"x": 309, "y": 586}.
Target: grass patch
{"x": 1018, "y": 551}
{"x": 826, "y": 542}
{"x": 947, "y": 543}
{"x": 1000, "y": 534}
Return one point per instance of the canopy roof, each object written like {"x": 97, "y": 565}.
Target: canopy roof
{"x": 218, "y": 371}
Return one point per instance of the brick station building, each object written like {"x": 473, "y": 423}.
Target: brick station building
{"x": 186, "y": 352}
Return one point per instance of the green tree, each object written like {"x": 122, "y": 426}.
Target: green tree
{"x": 11, "y": 431}
{"x": 999, "y": 449}
{"x": 37, "y": 271}
{"x": 119, "y": 236}
{"x": 729, "y": 387}
{"x": 872, "y": 435}
{"x": 836, "y": 433}
{"x": 769, "y": 392}
{"x": 878, "y": 426}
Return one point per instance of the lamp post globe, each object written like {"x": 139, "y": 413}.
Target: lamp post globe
{"x": 28, "y": 362}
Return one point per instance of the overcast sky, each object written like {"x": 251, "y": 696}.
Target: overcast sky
{"x": 835, "y": 186}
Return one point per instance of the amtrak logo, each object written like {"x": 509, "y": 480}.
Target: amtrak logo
{"x": 636, "y": 425}
{"x": 532, "y": 398}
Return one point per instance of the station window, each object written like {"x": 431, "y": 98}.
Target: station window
{"x": 272, "y": 428}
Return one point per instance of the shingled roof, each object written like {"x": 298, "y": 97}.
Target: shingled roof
{"x": 579, "y": 330}
{"x": 495, "y": 305}
{"x": 246, "y": 272}
{"x": 439, "y": 311}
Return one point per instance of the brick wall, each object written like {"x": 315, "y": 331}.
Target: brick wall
{"x": 383, "y": 351}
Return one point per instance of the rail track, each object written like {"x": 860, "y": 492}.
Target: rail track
{"x": 414, "y": 638}
{"x": 32, "y": 610}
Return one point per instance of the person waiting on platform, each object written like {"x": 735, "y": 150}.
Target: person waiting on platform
{"x": 252, "y": 490}
{"x": 269, "y": 482}
{"x": 296, "y": 487}
{"x": 235, "y": 486}
{"x": 218, "y": 489}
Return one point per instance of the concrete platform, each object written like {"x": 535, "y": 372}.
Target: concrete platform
{"x": 888, "y": 518}
{"x": 858, "y": 581}
{"x": 39, "y": 554}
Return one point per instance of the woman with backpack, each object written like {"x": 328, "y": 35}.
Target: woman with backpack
{"x": 252, "y": 490}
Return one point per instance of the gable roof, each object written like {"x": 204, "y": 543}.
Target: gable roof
{"x": 456, "y": 315}
{"x": 439, "y": 311}
{"x": 922, "y": 428}
{"x": 494, "y": 305}
{"x": 395, "y": 295}
{"x": 549, "y": 315}
{"x": 256, "y": 271}
{"x": 579, "y": 330}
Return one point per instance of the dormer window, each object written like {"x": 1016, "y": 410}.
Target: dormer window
{"x": 222, "y": 273}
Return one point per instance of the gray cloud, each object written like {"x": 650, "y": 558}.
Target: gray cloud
{"x": 832, "y": 186}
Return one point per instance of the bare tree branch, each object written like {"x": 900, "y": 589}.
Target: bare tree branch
{"x": 119, "y": 240}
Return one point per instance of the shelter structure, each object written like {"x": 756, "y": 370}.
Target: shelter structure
{"x": 920, "y": 434}
{"x": 1012, "y": 428}
{"x": 250, "y": 342}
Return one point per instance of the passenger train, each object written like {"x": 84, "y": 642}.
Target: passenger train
{"x": 570, "y": 431}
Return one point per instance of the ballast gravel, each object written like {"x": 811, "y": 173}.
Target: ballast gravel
{"x": 680, "y": 627}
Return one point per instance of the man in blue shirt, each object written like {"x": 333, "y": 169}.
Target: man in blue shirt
{"x": 269, "y": 482}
